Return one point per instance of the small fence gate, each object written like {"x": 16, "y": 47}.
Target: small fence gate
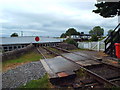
{"x": 97, "y": 46}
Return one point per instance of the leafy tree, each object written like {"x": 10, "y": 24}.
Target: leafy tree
{"x": 94, "y": 38}
{"x": 14, "y": 35}
{"x": 78, "y": 33}
{"x": 109, "y": 32}
{"x": 69, "y": 32}
{"x": 98, "y": 31}
{"x": 63, "y": 35}
{"x": 71, "y": 41}
{"x": 108, "y": 9}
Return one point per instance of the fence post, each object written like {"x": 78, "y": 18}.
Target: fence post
{"x": 89, "y": 45}
{"x": 78, "y": 44}
{"x": 98, "y": 46}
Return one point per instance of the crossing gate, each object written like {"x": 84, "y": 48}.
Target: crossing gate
{"x": 97, "y": 46}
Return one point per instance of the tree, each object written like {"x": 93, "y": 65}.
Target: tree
{"x": 98, "y": 31}
{"x": 63, "y": 35}
{"x": 69, "y": 32}
{"x": 14, "y": 35}
{"x": 109, "y": 32}
{"x": 71, "y": 41}
{"x": 108, "y": 9}
{"x": 94, "y": 38}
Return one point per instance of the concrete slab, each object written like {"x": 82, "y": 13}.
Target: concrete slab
{"x": 48, "y": 70}
{"x": 87, "y": 62}
{"x": 59, "y": 64}
{"x": 61, "y": 67}
{"x": 84, "y": 55}
{"x": 81, "y": 58}
{"x": 74, "y": 57}
{"x": 89, "y": 54}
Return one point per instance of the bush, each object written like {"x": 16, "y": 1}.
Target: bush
{"x": 94, "y": 38}
{"x": 71, "y": 41}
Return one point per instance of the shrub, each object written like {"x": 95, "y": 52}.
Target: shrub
{"x": 71, "y": 41}
{"x": 94, "y": 38}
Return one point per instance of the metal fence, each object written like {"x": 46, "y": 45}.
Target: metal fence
{"x": 97, "y": 46}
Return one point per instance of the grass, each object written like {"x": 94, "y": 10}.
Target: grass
{"x": 58, "y": 51}
{"x": 101, "y": 38}
{"x": 73, "y": 50}
{"x": 40, "y": 83}
{"x": 80, "y": 73}
{"x": 32, "y": 56}
{"x": 79, "y": 49}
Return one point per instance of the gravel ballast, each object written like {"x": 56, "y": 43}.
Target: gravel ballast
{"x": 22, "y": 74}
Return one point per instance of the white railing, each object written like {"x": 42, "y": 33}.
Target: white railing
{"x": 97, "y": 46}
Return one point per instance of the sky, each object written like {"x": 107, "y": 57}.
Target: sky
{"x": 50, "y": 17}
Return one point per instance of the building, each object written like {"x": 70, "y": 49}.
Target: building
{"x": 81, "y": 37}
{"x": 12, "y": 43}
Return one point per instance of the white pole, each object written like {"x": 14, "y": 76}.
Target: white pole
{"x": 89, "y": 45}
{"x": 98, "y": 48}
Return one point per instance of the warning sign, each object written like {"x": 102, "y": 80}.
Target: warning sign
{"x": 37, "y": 39}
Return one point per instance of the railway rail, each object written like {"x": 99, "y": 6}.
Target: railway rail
{"x": 103, "y": 64}
{"x": 99, "y": 78}
{"x": 95, "y": 58}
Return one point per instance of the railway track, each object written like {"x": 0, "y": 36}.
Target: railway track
{"x": 95, "y": 58}
{"x": 96, "y": 72}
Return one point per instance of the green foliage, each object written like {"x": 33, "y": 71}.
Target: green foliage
{"x": 53, "y": 49}
{"x": 101, "y": 38}
{"x": 80, "y": 73}
{"x": 109, "y": 32}
{"x": 98, "y": 31}
{"x": 115, "y": 88}
{"x": 40, "y": 83}
{"x": 63, "y": 35}
{"x": 32, "y": 56}
{"x": 94, "y": 38}
{"x": 78, "y": 49}
{"x": 107, "y": 9}
{"x": 69, "y": 32}
{"x": 14, "y": 35}
{"x": 71, "y": 41}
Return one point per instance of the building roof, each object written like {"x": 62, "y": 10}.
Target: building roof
{"x": 27, "y": 40}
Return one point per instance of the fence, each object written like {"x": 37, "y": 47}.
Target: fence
{"x": 97, "y": 46}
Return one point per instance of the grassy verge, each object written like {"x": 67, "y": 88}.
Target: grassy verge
{"x": 55, "y": 50}
{"x": 79, "y": 49}
{"x": 80, "y": 73}
{"x": 73, "y": 50}
{"x": 40, "y": 83}
{"x": 32, "y": 56}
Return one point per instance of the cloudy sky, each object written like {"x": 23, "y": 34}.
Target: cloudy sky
{"x": 50, "y": 17}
